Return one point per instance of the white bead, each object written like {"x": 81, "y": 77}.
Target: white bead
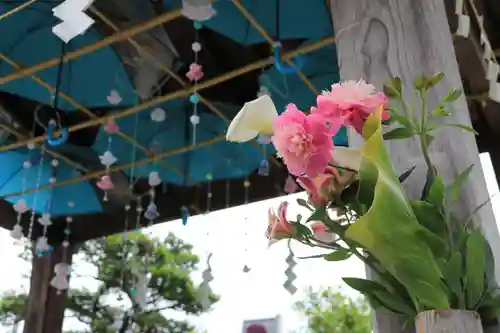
{"x": 52, "y": 180}
{"x": 27, "y": 164}
{"x": 196, "y": 47}
{"x": 71, "y": 204}
{"x": 65, "y": 243}
{"x": 30, "y": 145}
{"x": 54, "y": 163}
{"x": 195, "y": 119}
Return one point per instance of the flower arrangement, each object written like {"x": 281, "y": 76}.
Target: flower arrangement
{"x": 424, "y": 256}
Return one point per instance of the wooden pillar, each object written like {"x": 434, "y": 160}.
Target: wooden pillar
{"x": 378, "y": 39}
{"x": 46, "y": 306}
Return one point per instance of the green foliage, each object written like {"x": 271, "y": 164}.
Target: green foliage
{"x": 329, "y": 311}
{"x": 118, "y": 259}
{"x": 425, "y": 257}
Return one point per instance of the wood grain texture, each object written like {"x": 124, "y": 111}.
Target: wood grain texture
{"x": 448, "y": 321}
{"x": 378, "y": 39}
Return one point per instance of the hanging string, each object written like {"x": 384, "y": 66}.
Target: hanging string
{"x": 21, "y": 206}
{"x": 195, "y": 74}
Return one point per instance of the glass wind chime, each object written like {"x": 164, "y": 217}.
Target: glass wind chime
{"x": 198, "y": 11}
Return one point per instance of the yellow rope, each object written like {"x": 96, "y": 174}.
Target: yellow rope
{"x": 87, "y": 112}
{"x": 271, "y": 42}
{"x": 181, "y": 93}
{"x": 160, "y": 65}
{"x": 163, "y": 18}
{"x": 48, "y": 150}
{"x": 17, "y": 9}
{"x": 115, "y": 168}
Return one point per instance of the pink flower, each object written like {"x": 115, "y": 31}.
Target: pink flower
{"x": 195, "y": 72}
{"x": 321, "y": 187}
{"x": 351, "y": 102}
{"x": 278, "y": 225}
{"x": 303, "y": 141}
{"x": 321, "y": 232}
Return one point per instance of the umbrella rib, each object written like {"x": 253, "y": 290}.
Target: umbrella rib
{"x": 160, "y": 65}
{"x": 180, "y": 93}
{"x": 87, "y": 112}
{"x": 48, "y": 150}
{"x": 119, "y": 167}
{"x": 17, "y": 9}
{"x": 272, "y": 42}
{"x": 118, "y": 37}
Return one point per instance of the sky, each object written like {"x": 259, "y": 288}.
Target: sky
{"x": 235, "y": 237}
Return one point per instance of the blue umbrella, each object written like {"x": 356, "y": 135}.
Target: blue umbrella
{"x": 282, "y": 19}
{"x": 27, "y": 39}
{"x": 71, "y": 199}
{"x": 289, "y": 87}
{"x": 221, "y": 160}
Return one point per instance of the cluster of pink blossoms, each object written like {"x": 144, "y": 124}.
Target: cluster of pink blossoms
{"x": 305, "y": 141}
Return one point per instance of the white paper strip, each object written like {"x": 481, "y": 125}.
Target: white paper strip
{"x": 459, "y": 5}
{"x": 493, "y": 71}
{"x": 488, "y": 52}
{"x": 494, "y": 92}
{"x": 463, "y": 25}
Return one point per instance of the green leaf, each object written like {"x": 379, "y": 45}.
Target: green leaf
{"x": 453, "y": 95}
{"x": 434, "y": 79}
{"x": 440, "y": 112}
{"x": 429, "y": 217}
{"x": 454, "y": 190}
{"x": 319, "y": 214}
{"x": 452, "y": 273}
{"x": 338, "y": 255}
{"x": 475, "y": 266}
{"x": 403, "y": 120}
{"x": 393, "y": 89}
{"x": 406, "y": 174}
{"x": 420, "y": 83}
{"x": 399, "y": 133}
{"x": 381, "y": 294}
{"x": 464, "y": 127}
{"x": 303, "y": 203}
{"x": 436, "y": 193}
{"x": 389, "y": 230}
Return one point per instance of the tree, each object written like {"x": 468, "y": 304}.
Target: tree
{"x": 328, "y": 311}
{"x": 113, "y": 306}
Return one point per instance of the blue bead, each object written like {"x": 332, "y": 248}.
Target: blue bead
{"x": 197, "y": 25}
{"x": 194, "y": 99}
{"x": 264, "y": 168}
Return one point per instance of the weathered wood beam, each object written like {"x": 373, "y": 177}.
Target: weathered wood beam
{"x": 378, "y": 39}
{"x": 46, "y": 306}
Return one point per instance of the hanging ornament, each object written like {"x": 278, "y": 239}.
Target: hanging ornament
{"x": 195, "y": 74}
{"x": 45, "y": 219}
{"x": 209, "y": 178}
{"x": 74, "y": 19}
{"x": 21, "y": 207}
{"x": 154, "y": 179}
{"x": 204, "y": 290}
{"x": 42, "y": 247}
{"x": 158, "y": 115}
{"x": 108, "y": 159}
{"x": 105, "y": 183}
{"x": 151, "y": 213}
{"x": 114, "y": 97}
{"x": 184, "y": 215}
{"x": 17, "y": 232}
{"x": 290, "y": 275}
{"x": 111, "y": 127}
{"x": 197, "y": 10}
{"x": 60, "y": 280}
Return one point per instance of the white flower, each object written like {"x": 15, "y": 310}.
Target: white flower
{"x": 255, "y": 117}
{"x": 347, "y": 158}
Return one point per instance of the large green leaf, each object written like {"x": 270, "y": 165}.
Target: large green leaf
{"x": 475, "y": 265}
{"x": 390, "y": 230}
